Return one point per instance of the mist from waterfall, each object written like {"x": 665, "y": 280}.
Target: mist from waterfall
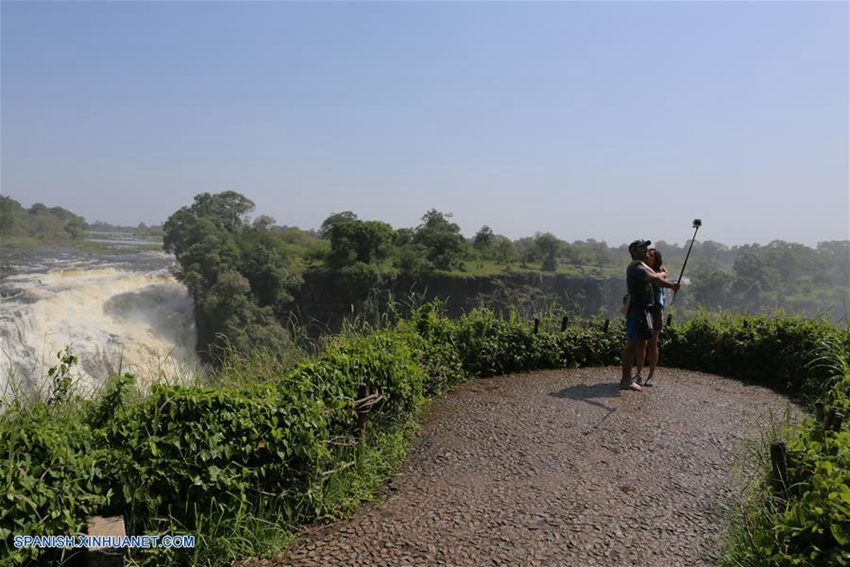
{"x": 124, "y": 313}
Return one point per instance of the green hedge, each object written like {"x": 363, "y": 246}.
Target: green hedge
{"x": 779, "y": 351}
{"x": 184, "y": 451}
{"x": 288, "y": 446}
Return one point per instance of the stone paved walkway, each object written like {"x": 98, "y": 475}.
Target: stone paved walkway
{"x": 560, "y": 468}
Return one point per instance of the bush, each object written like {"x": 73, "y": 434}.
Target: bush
{"x": 54, "y": 476}
{"x": 217, "y": 448}
{"x": 432, "y": 336}
{"x": 778, "y": 351}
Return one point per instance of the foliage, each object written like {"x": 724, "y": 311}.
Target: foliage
{"x": 354, "y": 240}
{"x": 53, "y": 473}
{"x": 195, "y": 444}
{"x": 432, "y": 336}
{"x": 53, "y": 224}
{"x": 441, "y": 239}
{"x": 483, "y": 241}
{"x": 379, "y": 362}
{"x": 777, "y": 351}
{"x": 804, "y": 520}
{"x": 547, "y": 247}
{"x": 240, "y": 275}
{"x": 490, "y": 345}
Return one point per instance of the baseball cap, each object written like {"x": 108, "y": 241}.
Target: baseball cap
{"x": 637, "y": 244}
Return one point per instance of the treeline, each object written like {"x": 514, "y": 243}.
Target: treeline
{"x": 243, "y": 274}
{"x": 141, "y": 230}
{"x": 747, "y": 277}
{"x": 39, "y": 222}
{"x": 780, "y": 274}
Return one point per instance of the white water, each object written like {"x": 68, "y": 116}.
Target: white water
{"x": 129, "y": 315}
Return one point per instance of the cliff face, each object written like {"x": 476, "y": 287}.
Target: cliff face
{"x": 325, "y": 299}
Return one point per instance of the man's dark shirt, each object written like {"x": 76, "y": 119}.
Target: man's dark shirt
{"x": 639, "y": 286}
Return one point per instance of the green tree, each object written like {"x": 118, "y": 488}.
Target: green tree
{"x": 10, "y": 213}
{"x": 503, "y": 249}
{"x": 240, "y": 275}
{"x": 547, "y": 247}
{"x": 265, "y": 261}
{"x": 225, "y": 210}
{"x": 441, "y": 239}
{"x": 483, "y": 241}
{"x": 712, "y": 290}
{"x": 336, "y": 219}
{"x": 357, "y": 241}
{"x": 835, "y": 261}
{"x": 751, "y": 267}
{"x": 526, "y": 250}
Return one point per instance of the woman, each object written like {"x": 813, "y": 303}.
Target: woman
{"x": 655, "y": 261}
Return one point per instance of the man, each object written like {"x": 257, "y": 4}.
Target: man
{"x": 639, "y": 280}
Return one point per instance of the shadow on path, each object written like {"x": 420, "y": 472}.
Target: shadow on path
{"x": 590, "y": 394}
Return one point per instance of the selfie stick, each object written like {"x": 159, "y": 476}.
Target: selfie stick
{"x": 697, "y": 224}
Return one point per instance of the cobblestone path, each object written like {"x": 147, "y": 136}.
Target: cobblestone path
{"x": 561, "y": 468}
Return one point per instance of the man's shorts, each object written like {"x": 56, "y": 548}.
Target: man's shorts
{"x": 637, "y": 326}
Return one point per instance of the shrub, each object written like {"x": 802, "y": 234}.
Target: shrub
{"x": 217, "y": 448}
{"x": 53, "y": 477}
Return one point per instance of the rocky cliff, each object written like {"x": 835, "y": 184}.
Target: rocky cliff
{"x": 325, "y": 298}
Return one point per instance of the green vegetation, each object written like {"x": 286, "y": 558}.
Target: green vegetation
{"x": 38, "y": 224}
{"x": 243, "y": 275}
{"x": 268, "y": 443}
{"x": 240, "y": 275}
{"x": 804, "y": 517}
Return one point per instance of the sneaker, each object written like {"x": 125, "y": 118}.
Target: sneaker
{"x": 631, "y": 386}
{"x": 649, "y": 382}
{"x": 638, "y": 379}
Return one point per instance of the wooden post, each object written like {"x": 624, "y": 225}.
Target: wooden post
{"x": 778, "y": 460}
{"x": 830, "y": 418}
{"x": 362, "y": 413}
{"x": 837, "y": 420}
{"x": 819, "y": 413}
{"x": 106, "y": 556}
{"x": 564, "y": 322}
{"x": 536, "y": 325}
{"x": 669, "y": 319}
{"x": 607, "y": 324}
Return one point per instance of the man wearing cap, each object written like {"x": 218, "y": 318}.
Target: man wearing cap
{"x": 639, "y": 280}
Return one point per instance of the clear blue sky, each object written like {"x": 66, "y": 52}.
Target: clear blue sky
{"x": 590, "y": 120}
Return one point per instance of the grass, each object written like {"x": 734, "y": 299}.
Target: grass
{"x": 374, "y": 462}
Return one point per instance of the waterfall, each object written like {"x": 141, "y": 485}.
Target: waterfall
{"x": 125, "y": 313}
